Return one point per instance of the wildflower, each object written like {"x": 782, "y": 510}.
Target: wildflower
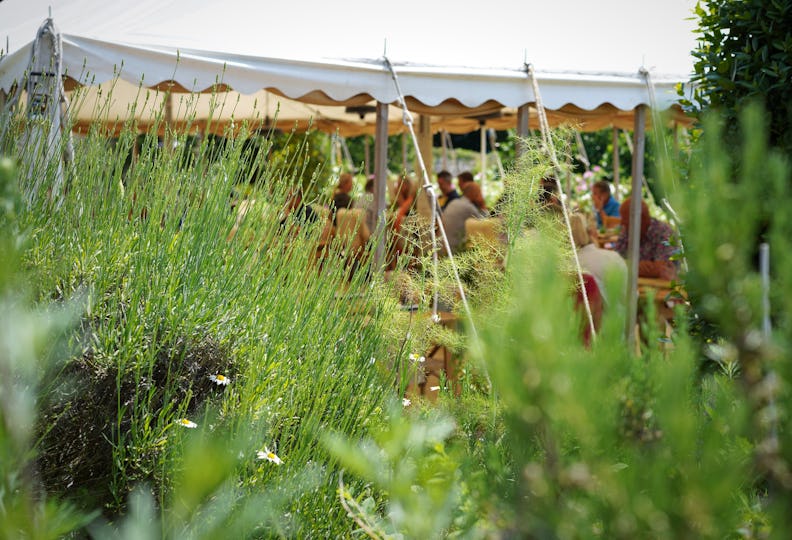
{"x": 416, "y": 358}
{"x": 434, "y": 388}
{"x": 220, "y": 380}
{"x": 406, "y": 402}
{"x": 187, "y": 423}
{"x": 269, "y": 455}
{"x": 436, "y": 318}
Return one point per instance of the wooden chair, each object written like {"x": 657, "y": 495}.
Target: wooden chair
{"x": 486, "y": 233}
{"x": 440, "y": 364}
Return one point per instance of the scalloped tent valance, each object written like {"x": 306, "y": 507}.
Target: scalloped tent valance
{"x": 312, "y": 60}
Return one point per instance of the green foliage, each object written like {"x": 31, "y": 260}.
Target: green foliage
{"x": 744, "y": 56}
{"x": 124, "y": 297}
{"x": 171, "y": 298}
{"x": 406, "y": 460}
{"x": 575, "y": 442}
{"x": 27, "y": 337}
{"x": 728, "y": 289}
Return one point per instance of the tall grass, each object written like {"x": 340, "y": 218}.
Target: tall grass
{"x": 168, "y": 299}
{"x": 569, "y": 441}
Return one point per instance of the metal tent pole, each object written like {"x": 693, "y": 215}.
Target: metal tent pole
{"x": 634, "y": 238}
{"x": 523, "y": 116}
{"x": 483, "y": 154}
{"x": 444, "y": 148}
{"x": 380, "y": 180}
{"x": 616, "y": 164}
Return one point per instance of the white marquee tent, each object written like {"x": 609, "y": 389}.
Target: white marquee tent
{"x": 595, "y": 63}
{"x": 458, "y": 64}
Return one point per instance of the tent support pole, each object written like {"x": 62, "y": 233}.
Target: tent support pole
{"x": 425, "y": 141}
{"x": 167, "y": 139}
{"x": 444, "y": 147}
{"x": 367, "y": 155}
{"x": 634, "y": 238}
{"x": 404, "y": 153}
{"x": 522, "y": 128}
{"x": 616, "y": 164}
{"x": 422, "y": 202}
{"x": 483, "y": 154}
{"x": 380, "y": 181}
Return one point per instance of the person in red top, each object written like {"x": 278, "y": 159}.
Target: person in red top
{"x": 655, "y": 251}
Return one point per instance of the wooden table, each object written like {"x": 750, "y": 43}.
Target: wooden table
{"x": 440, "y": 363}
{"x": 666, "y": 297}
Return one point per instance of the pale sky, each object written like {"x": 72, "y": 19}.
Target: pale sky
{"x": 571, "y": 35}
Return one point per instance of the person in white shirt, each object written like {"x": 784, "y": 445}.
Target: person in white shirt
{"x": 458, "y": 211}
{"x": 600, "y": 263}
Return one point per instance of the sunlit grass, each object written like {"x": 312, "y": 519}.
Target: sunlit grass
{"x": 186, "y": 381}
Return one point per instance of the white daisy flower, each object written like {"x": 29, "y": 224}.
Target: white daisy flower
{"x": 220, "y": 380}
{"x": 436, "y": 318}
{"x": 269, "y": 455}
{"x": 186, "y": 423}
{"x": 415, "y": 358}
{"x": 406, "y": 402}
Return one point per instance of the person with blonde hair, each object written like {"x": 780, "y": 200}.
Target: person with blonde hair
{"x": 598, "y": 262}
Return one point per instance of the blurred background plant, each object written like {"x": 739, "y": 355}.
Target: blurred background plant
{"x": 29, "y": 345}
{"x": 161, "y": 376}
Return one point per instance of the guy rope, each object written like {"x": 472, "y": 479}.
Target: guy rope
{"x": 547, "y": 141}
{"x": 435, "y": 217}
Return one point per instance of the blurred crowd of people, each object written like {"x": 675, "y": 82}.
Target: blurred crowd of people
{"x": 601, "y": 237}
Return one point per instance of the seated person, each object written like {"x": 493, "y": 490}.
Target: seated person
{"x": 463, "y": 178}
{"x": 597, "y": 261}
{"x": 447, "y": 191}
{"x": 297, "y": 212}
{"x": 458, "y": 211}
{"x": 549, "y": 198}
{"x": 655, "y": 250}
{"x": 605, "y": 205}
{"x": 595, "y": 301}
{"x": 405, "y": 199}
{"x": 341, "y": 197}
{"x": 366, "y": 203}
{"x": 352, "y": 230}
{"x": 466, "y": 177}
{"x": 402, "y": 207}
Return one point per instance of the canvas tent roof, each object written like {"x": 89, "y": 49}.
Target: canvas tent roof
{"x": 455, "y": 64}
